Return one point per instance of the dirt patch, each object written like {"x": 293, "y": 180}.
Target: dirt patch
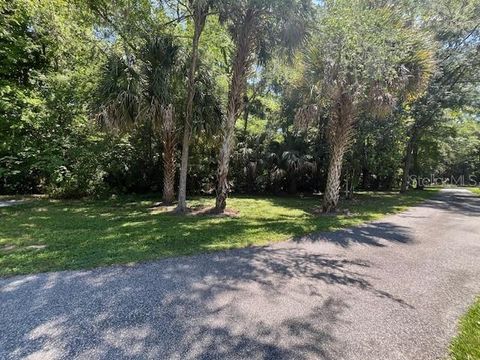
{"x": 210, "y": 211}
{"x": 318, "y": 211}
{"x": 160, "y": 208}
{"x": 36, "y": 247}
{"x": 200, "y": 210}
{"x": 10, "y": 248}
{"x": 7, "y": 248}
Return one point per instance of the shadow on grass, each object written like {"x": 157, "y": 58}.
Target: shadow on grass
{"x": 76, "y": 234}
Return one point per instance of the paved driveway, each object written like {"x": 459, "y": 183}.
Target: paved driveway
{"x": 392, "y": 289}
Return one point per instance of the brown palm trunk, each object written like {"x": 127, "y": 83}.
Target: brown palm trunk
{"x": 168, "y": 156}
{"x": 240, "y": 66}
{"x": 223, "y": 163}
{"x": 332, "y": 189}
{"x": 340, "y": 134}
{"x": 187, "y": 132}
{"x": 182, "y": 188}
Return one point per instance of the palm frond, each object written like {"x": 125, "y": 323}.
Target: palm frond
{"x": 118, "y": 94}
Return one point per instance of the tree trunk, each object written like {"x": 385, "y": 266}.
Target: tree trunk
{"x": 224, "y": 162}
{"x": 349, "y": 185}
{"x": 340, "y": 135}
{"x": 182, "y": 187}
{"x": 416, "y": 167}
{"x": 245, "y": 146}
{"x": 187, "y": 131}
{"x": 240, "y": 66}
{"x": 332, "y": 190}
{"x": 365, "y": 179}
{"x": 408, "y": 161}
{"x": 168, "y": 156}
{"x": 245, "y": 119}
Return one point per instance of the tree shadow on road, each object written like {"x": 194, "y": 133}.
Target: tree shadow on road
{"x": 463, "y": 203}
{"x": 373, "y": 234}
{"x": 265, "y": 303}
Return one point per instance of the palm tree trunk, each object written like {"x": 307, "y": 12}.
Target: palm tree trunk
{"x": 223, "y": 162}
{"x": 245, "y": 145}
{"x": 168, "y": 156}
{"x": 168, "y": 180}
{"x": 332, "y": 190}
{"x": 240, "y": 67}
{"x": 187, "y": 132}
{"x": 182, "y": 188}
{"x": 340, "y": 135}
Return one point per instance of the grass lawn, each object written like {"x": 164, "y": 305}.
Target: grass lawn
{"x": 466, "y": 345}
{"x": 45, "y": 235}
{"x": 475, "y": 190}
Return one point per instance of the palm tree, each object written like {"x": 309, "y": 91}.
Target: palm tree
{"x": 296, "y": 165}
{"x": 118, "y": 93}
{"x": 158, "y": 73}
{"x": 142, "y": 88}
{"x": 360, "y": 61}
{"x": 255, "y": 27}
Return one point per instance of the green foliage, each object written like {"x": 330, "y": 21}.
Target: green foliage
{"x": 275, "y": 23}
{"x": 48, "y": 75}
{"x": 454, "y": 148}
{"x": 64, "y": 65}
{"x": 364, "y": 53}
{"x": 454, "y": 87}
{"x": 117, "y": 96}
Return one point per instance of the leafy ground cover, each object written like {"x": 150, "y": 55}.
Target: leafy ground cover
{"x": 48, "y": 235}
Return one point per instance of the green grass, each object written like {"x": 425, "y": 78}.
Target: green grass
{"x": 46, "y": 235}
{"x": 466, "y": 345}
{"x": 475, "y": 190}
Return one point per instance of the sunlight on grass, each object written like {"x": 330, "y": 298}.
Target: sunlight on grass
{"x": 46, "y": 235}
{"x": 475, "y": 190}
{"x": 466, "y": 345}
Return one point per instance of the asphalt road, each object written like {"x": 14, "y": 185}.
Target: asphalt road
{"x": 392, "y": 289}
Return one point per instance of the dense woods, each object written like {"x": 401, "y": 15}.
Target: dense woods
{"x": 246, "y": 96}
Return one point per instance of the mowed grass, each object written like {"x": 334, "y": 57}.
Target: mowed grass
{"x": 45, "y": 235}
{"x": 475, "y": 190}
{"x": 466, "y": 345}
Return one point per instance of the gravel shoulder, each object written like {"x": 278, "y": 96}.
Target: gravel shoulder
{"x": 391, "y": 289}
